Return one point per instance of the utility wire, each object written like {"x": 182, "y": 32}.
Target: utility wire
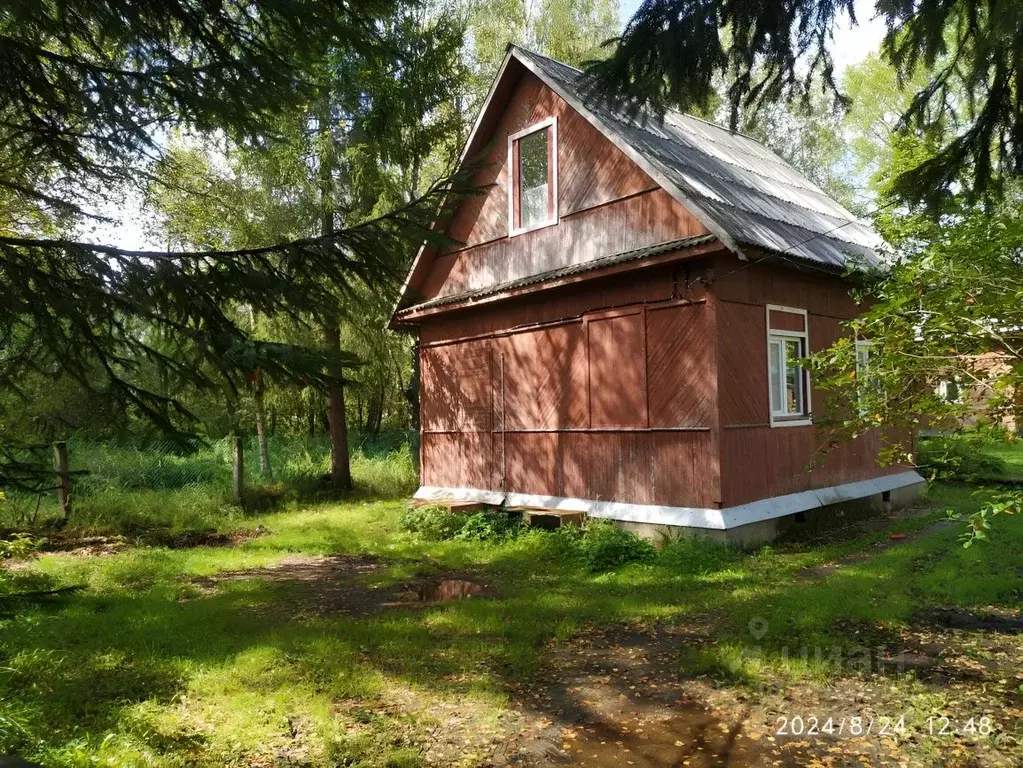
{"x": 782, "y": 254}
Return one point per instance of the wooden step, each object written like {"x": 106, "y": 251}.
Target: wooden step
{"x": 549, "y": 518}
{"x": 453, "y": 506}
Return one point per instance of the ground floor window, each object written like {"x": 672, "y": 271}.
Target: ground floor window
{"x": 788, "y": 381}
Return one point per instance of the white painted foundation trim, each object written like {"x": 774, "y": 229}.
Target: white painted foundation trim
{"x": 431, "y": 493}
{"x": 685, "y": 517}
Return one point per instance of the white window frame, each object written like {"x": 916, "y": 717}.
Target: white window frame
{"x": 941, "y": 390}
{"x": 782, "y": 419}
{"x": 863, "y": 373}
{"x": 513, "y": 183}
{"x": 863, "y": 345}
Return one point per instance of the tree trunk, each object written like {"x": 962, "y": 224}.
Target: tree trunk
{"x": 375, "y": 412}
{"x": 62, "y": 468}
{"x": 340, "y": 467}
{"x": 258, "y": 391}
{"x": 238, "y": 473}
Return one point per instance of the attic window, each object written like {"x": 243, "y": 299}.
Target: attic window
{"x": 533, "y": 160}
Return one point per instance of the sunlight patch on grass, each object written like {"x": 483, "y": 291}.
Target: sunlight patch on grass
{"x": 150, "y": 667}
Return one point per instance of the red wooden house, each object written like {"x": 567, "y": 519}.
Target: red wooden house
{"x": 615, "y": 328}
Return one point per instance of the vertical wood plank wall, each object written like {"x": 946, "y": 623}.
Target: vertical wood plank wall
{"x": 606, "y": 204}
{"x": 607, "y": 398}
{"x": 758, "y": 460}
{"x": 613, "y": 390}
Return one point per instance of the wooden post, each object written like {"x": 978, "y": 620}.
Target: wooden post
{"x": 239, "y": 469}
{"x": 60, "y": 465}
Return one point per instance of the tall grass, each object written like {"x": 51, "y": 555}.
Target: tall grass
{"x": 130, "y": 488}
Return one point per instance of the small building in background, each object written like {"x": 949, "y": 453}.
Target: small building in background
{"x": 616, "y": 325}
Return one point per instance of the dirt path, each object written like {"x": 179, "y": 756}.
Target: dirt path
{"x": 615, "y": 697}
{"x": 896, "y": 539}
{"x": 618, "y": 700}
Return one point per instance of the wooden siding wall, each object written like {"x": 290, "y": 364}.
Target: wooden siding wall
{"x": 757, "y": 460}
{"x": 587, "y": 394}
{"x": 606, "y": 204}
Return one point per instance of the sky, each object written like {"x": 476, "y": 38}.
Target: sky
{"x": 851, "y": 45}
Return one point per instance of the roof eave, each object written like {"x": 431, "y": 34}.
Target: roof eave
{"x": 412, "y": 315}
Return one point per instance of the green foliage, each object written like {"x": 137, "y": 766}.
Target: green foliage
{"x": 947, "y": 309}
{"x": 437, "y": 524}
{"x": 152, "y": 490}
{"x": 603, "y": 546}
{"x": 597, "y": 547}
{"x": 156, "y": 333}
{"x": 430, "y": 523}
{"x": 965, "y": 457}
{"x": 1006, "y": 503}
{"x": 671, "y": 52}
{"x": 698, "y": 556}
{"x": 489, "y": 526}
{"x": 19, "y": 545}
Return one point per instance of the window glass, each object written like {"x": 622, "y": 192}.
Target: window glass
{"x": 533, "y": 179}
{"x": 793, "y": 377}
{"x": 862, "y": 361}
{"x": 787, "y": 378}
{"x": 774, "y": 355}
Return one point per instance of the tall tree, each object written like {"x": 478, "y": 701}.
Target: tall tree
{"x": 671, "y": 50}
{"x": 572, "y": 31}
{"x": 88, "y": 92}
{"x": 375, "y": 137}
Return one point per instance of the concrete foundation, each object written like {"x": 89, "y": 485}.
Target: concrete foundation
{"x": 744, "y": 525}
{"x": 763, "y": 531}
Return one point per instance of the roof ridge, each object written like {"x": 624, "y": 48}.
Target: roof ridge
{"x": 531, "y": 52}
{"x": 703, "y": 120}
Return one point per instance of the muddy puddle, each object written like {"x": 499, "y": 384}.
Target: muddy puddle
{"x": 615, "y": 698}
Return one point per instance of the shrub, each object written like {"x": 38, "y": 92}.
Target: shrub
{"x": 603, "y": 546}
{"x": 19, "y": 545}
{"x": 489, "y": 526}
{"x": 431, "y": 523}
{"x": 961, "y": 457}
{"x": 437, "y": 524}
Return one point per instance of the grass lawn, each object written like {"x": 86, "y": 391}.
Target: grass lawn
{"x": 1011, "y": 453}
{"x": 307, "y": 645}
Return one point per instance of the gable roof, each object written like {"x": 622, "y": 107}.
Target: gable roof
{"x": 732, "y": 182}
{"x": 740, "y": 190}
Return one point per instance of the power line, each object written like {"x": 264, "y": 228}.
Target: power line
{"x": 782, "y": 254}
